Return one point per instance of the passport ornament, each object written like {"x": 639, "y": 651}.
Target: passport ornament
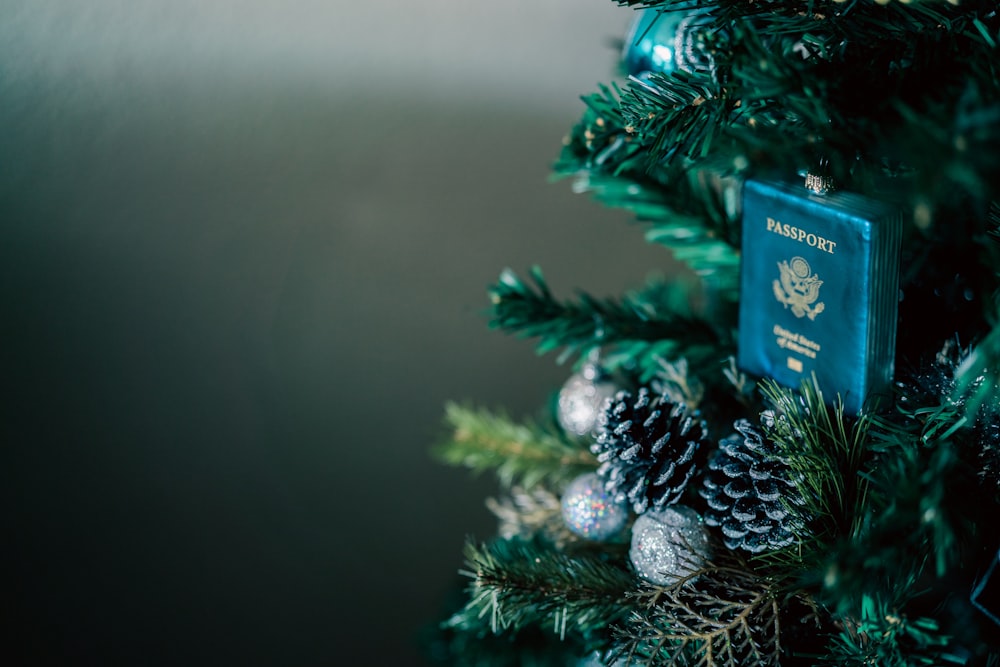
{"x": 819, "y": 285}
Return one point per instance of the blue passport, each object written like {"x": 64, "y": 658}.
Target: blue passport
{"x": 819, "y": 289}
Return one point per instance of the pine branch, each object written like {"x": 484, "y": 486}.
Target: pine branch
{"x": 517, "y": 584}
{"x": 528, "y": 514}
{"x": 902, "y": 472}
{"x": 978, "y": 378}
{"x": 882, "y": 636}
{"x": 688, "y": 208}
{"x": 825, "y": 449}
{"x": 793, "y": 82}
{"x": 718, "y": 616}
{"x": 926, "y": 449}
{"x": 678, "y": 225}
{"x": 847, "y": 81}
{"x": 915, "y": 514}
{"x": 531, "y": 311}
{"x": 676, "y": 117}
{"x": 526, "y": 454}
{"x": 852, "y": 78}
{"x": 716, "y": 262}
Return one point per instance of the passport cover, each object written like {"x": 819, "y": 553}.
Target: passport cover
{"x": 819, "y": 284}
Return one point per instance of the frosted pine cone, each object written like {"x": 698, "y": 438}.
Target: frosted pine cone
{"x": 648, "y": 448}
{"x": 751, "y": 494}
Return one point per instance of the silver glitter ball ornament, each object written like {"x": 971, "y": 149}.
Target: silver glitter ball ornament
{"x": 582, "y": 400}
{"x": 668, "y": 545}
{"x": 590, "y": 511}
{"x": 595, "y": 659}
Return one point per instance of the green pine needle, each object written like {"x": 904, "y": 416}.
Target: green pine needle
{"x": 530, "y": 310}
{"x": 978, "y": 378}
{"x": 884, "y": 637}
{"x": 902, "y": 98}
{"x": 690, "y": 239}
{"x": 717, "y": 617}
{"x": 827, "y": 450}
{"x": 517, "y": 584}
{"x": 524, "y": 454}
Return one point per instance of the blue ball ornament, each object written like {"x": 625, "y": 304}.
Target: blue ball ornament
{"x": 590, "y": 511}
{"x": 668, "y": 41}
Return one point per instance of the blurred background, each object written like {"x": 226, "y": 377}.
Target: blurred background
{"x": 245, "y": 247}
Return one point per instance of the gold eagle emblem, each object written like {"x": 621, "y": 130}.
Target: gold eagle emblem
{"x": 798, "y": 288}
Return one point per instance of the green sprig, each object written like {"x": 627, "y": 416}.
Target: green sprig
{"x": 530, "y": 310}
{"x": 521, "y": 453}
{"x": 717, "y": 617}
{"x": 517, "y": 584}
{"x": 882, "y": 636}
{"x": 827, "y": 450}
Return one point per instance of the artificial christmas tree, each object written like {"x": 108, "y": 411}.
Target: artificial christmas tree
{"x": 847, "y": 325}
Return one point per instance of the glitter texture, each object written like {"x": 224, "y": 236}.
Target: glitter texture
{"x": 668, "y": 545}
{"x": 589, "y": 511}
{"x": 649, "y": 449}
{"x": 582, "y": 400}
{"x": 595, "y": 659}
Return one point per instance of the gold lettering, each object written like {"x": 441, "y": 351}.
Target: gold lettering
{"x": 800, "y": 235}
{"x": 795, "y": 342}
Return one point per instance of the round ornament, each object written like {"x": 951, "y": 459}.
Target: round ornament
{"x": 668, "y": 545}
{"x": 582, "y": 400}
{"x": 668, "y": 41}
{"x": 590, "y": 511}
{"x": 596, "y": 659}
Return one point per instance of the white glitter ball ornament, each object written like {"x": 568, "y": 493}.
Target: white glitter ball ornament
{"x": 595, "y": 659}
{"x": 668, "y": 545}
{"x": 590, "y": 511}
{"x": 582, "y": 400}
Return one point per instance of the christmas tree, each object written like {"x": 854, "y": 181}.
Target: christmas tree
{"x": 790, "y": 453}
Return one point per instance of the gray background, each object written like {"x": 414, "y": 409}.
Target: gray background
{"x": 243, "y": 265}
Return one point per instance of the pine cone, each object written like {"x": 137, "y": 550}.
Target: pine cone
{"x": 749, "y": 489}
{"x": 648, "y": 448}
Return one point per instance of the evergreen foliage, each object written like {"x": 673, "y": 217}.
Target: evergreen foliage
{"x": 521, "y": 453}
{"x": 894, "y": 510}
{"x": 517, "y": 584}
{"x": 532, "y": 311}
{"x": 719, "y": 616}
{"x": 530, "y": 514}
